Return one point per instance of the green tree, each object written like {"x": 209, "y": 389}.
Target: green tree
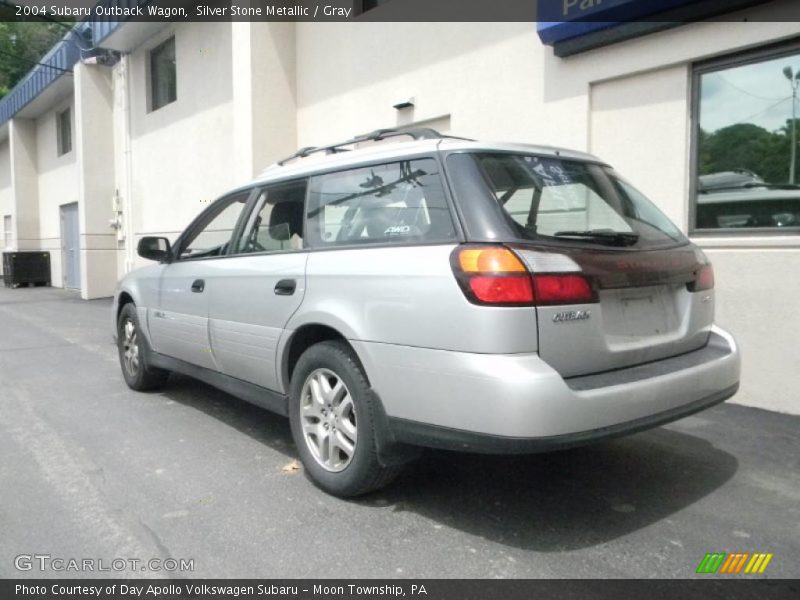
{"x": 22, "y": 45}
{"x": 704, "y": 152}
{"x": 747, "y": 146}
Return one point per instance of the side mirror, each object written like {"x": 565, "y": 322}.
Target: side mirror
{"x": 155, "y": 248}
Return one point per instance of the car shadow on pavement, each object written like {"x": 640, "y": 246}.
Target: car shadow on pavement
{"x": 547, "y": 502}
{"x": 260, "y": 424}
{"x": 564, "y": 500}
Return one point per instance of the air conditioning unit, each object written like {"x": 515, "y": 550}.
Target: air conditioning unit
{"x": 26, "y": 268}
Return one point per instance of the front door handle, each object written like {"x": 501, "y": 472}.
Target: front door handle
{"x": 285, "y": 287}
{"x": 198, "y": 286}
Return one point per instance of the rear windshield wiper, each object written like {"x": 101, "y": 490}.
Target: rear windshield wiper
{"x": 616, "y": 238}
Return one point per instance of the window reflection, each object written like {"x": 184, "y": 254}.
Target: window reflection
{"x": 747, "y": 140}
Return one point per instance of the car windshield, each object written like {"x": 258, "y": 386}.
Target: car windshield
{"x": 549, "y": 197}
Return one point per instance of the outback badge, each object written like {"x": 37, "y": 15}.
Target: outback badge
{"x": 572, "y": 315}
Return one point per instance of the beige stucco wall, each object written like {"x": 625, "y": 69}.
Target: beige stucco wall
{"x": 57, "y": 181}
{"x": 181, "y": 155}
{"x": 6, "y": 194}
{"x": 351, "y": 74}
{"x": 94, "y": 146}
{"x": 264, "y": 69}
{"x": 25, "y": 183}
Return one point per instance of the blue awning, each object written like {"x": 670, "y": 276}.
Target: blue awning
{"x": 564, "y": 19}
{"x": 57, "y": 63}
{"x": 568, "y": 20}
{"x": 61, "y": 58}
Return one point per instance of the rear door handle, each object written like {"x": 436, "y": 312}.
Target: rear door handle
{"x": 285, "y": 287}
{"x": 198, "y": 286}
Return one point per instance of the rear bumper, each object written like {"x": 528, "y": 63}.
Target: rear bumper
{"x": 432, "y": 436}
{"x": 518, "y": 403}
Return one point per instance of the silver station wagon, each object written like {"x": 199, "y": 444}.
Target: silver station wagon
{"x": 437, "y": 292}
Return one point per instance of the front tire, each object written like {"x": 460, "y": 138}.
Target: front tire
{"x": 332, "y": 416}
{"x": 132, "y": 354}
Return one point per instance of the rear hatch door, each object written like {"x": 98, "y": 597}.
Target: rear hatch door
{"x": 572, "y": 215}
{"x": 645, "y": 310}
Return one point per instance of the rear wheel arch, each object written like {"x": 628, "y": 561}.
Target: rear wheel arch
{"x": 340, "y": 450}
{"x": 302, "y": 339}
{"x": 390, "y": 453}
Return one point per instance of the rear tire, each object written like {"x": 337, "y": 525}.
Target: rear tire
{"x": 132, "y": 347}
{"x": 332, "y": 416}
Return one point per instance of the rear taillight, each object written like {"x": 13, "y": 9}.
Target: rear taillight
{"x": 495, "y": 276}
{"x": 563, "y": 288}
{"x": 502, "y": 289}
{"x": 492, "y": 275}
{"x": 704, "y": 279}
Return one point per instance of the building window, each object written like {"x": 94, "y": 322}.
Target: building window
{"x": 163, "y": 75}
{"x": 746, "y": 130}
{"x": 7, "y": 231}
{"x": 64, "y": 132}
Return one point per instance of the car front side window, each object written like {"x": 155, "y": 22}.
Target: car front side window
{"x": 276, "y": 222}
{"x": 211, "y": 235}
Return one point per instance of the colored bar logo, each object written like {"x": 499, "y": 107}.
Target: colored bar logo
{"x": 734, "y": 563}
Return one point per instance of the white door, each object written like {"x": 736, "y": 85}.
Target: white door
{"x": 70, "y": 246}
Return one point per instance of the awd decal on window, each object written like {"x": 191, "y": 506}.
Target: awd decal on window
{"x": 398, "y": 230}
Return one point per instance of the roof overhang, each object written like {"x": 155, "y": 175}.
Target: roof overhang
{"x": 50, "y": 80}
{"x": 124, "y": 36}
{"x": 54, "y": 70}
{"x": 53, "y": 94}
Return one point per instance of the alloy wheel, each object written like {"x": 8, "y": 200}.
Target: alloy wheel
{"x": 130, "y": 348}
{"x": 328, "y": 419}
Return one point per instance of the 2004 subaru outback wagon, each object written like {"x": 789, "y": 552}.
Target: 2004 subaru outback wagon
{"x": 437, "y": 292}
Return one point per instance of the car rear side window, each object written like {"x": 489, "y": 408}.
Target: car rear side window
{"x": 400, "y": 202}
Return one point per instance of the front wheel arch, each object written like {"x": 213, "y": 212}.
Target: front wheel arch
{"x": 146, "y": 377}
{"x": 124, "y": 298}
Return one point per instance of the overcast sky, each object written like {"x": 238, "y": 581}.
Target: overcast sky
{"x": 757, "y": 93}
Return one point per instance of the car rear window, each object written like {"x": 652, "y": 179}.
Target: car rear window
{"x": 549, "y": 197}
{"x": 400, "y": 202}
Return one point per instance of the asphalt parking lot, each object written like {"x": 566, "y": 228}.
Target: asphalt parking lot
{"x": 91, "y": 469}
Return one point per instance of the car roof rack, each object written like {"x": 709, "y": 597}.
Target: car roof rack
{"x": 417, "y": 133}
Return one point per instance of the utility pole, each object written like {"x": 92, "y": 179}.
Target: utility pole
{"x": 794, "y": 81}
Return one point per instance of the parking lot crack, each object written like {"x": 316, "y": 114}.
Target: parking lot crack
{"x": 157, "y": 541}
